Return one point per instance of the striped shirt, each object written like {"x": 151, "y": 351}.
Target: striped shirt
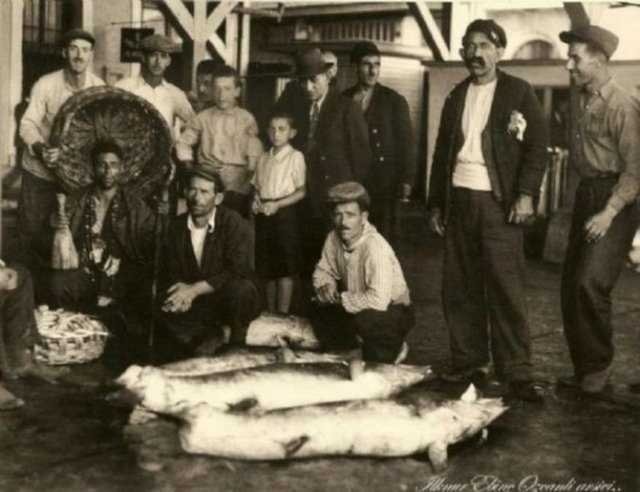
{"x": 368, "y": 274}
{"x": 49, "y": 93}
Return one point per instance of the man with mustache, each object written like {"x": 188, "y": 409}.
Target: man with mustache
{"x": 208, "y": 280}
{"x": 169, "y": 100}
{"x": 605, "y": 218}
{"x": 360, "y": 290}
{"x": 38, "y": 189}
{"x": 390, "y": 136}
{"x": 488, "y": 164}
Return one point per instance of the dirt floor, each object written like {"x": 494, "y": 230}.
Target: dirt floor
{"x": 67, "y": 438}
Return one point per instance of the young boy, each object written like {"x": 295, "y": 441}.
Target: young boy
{"x": 227, "y": 137}
{"x": 279, "y": 184}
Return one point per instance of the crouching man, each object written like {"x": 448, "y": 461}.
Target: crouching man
{"x": 359, "y": 285}
{"x": 209, "y": 282}
{"x": 18, "y": 333}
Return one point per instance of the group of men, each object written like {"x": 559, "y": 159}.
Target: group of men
{"x": 489, "y": 160}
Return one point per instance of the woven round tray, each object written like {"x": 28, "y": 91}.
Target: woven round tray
{"x": 109, "y": 113}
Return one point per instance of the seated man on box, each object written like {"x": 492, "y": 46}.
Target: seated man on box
{"x": 209, "y": 282}
{"x": 18, "y": 332}
{"x": 359, "y": 285}
{"x": 113, "y": 232}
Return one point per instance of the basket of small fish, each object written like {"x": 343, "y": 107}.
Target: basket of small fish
{"x": 67, "y": 337}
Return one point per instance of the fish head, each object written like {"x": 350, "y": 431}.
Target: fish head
{"x": 154, "y": 389}
{"x": 398, "y": 376}
{"x": 470, "y": 414}
{"x": 129, "y": 377}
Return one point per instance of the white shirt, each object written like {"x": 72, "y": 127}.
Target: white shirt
{"x": 48, "y": 94}
{"x": 471, "y": 171}
{"x": 279, "y": 175}
{"x": 199, "y": 235}
{"x": 169, "y": 100}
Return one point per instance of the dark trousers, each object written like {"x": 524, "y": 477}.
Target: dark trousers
{"x": 382, "y": 332}
{"x": 314, "y": 227}
{"x": 383, "y": 214}
{"x": 17, "y": 323}
{"x": 591, "y": 270}
{"x": 235, "y": 304}
{"x": 483, "y": 287}
{"x": 36, "y": 203}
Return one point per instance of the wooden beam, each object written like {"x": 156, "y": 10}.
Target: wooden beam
{"x": 245, "y": 34}
{"x": 199, "y": 36}
{"x": 219, "y": 14}
{"x": 182, "y": 15}
{"x": 430, "y": 30}
{"x": 577, "y": 14}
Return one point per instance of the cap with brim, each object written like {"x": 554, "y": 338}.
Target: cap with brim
{"x": 362, "y": 49}
{"x": 72, "y": 34}
{"x": 203, "y": 170}
{"x": 349, "y": 191}
{"x": 604, "y": 40}
{"x": 489, "y": 28}
{"x": 311, "y": 63}
{"x": 157, "y": 42}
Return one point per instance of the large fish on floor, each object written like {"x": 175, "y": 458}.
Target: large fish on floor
{"x": 384, "y": 428}
{"x": 272, "y": 330}
{"x": 271, "y": 386}
{"x": 230, "y": 360}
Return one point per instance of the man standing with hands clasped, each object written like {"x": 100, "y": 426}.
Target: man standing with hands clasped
{"x": 488, "y": 163}
{"x": 605, "y": 217}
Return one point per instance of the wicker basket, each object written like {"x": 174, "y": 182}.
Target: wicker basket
{"x": 70, "y": 347}
{"x": 109, "y": 113}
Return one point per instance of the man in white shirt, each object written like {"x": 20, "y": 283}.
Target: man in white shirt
{"x": 169, "y": 100}
{"x": 359, "y": 285}
{"x": 49, "y": 93}
{"x": 488, "y": 164}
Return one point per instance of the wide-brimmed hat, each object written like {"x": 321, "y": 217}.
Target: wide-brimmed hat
{"x": 157, "y": 42}
{"x": 310, "y": 63}
{"x": 604, "y": 40}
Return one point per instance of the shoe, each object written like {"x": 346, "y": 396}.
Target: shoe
{"x": 595, "y": 382}
{"x": 479, "y": 376}
{"x": 527, "y": 391}
{"x": 569, "y": 381}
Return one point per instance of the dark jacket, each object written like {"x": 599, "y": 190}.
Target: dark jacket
{"x": 516, "y": 167}
{"x": 226, "y": 252}
{"x": 391, "y": 138}
{"x": 340, "y": 150}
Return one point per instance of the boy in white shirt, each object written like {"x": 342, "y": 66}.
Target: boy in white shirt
{"x": 279, "y": 183}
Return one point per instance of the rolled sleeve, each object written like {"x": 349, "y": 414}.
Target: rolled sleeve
{"x": 33, "y": 117}
{"x": 189, "y": 137}
{"x": 298, "y": 170}
{"x": 626, "y": 124}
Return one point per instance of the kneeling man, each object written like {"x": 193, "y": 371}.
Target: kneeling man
{"x": 209, "y": 280}
{"x": 359, "y": 285}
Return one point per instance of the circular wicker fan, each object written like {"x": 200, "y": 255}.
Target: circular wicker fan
{"x": 109, "y": 113}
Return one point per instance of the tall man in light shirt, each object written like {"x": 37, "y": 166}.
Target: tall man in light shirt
{"x": 208, "y": 280}
{"x": 169, "y": 100}
{"x": 488, "y": 164}
{"x": 605, "y": 218}
{"x": 360, "y": 289}
{"x": 49, "y": 93}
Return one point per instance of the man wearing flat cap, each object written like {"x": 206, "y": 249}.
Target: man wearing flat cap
{"x": 606, "y": 154}
{"x": 390, "y": 137}
{"x": 360, "y": 290}
{"x": 49, "y": 93}
{"x": 208, "y": 280}
{"x": 334, "y": 142}
{"x": 169, "y": 100}
{"x": 488, "y": 164}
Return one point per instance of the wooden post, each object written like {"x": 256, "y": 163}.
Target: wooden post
{"x": 199, "y": 36}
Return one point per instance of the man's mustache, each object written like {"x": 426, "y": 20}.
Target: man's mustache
{"x": 479, "y": 61}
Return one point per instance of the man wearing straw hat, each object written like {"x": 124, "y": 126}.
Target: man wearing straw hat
{"x": 37, "y": 194}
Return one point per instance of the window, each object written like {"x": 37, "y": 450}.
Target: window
{"x": 534, "y": 50}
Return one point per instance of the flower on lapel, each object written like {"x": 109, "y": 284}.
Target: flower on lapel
{"x": 517, "y": 125}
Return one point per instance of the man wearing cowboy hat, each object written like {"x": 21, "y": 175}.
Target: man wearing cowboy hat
{"x": 488, "y": 164}
{"x": 169, "y": 100}
{"x": 607, "y": 155}
{"x": 334, "y": 141}
{"x": 38, "y": 189}
{"x": 208, "y": 279}
{"x": 390, "y": 135}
